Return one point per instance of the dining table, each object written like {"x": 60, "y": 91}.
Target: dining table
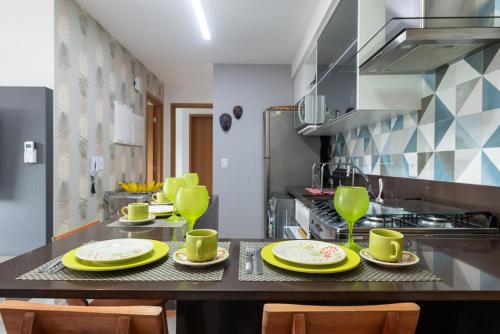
{"x": 465, "y": 293}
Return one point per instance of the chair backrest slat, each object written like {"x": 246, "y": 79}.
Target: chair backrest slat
{"x": 370, "y": 319}
{"x": 22, "y": 317}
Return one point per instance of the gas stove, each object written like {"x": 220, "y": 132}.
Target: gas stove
{"x": 409, "y": 216}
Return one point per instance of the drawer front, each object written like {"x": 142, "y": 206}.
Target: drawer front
{"x": 302, "y": 215}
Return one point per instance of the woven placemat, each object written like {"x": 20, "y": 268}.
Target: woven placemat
{"x": 365, "y": 272}
{"x": 154, "y": 223}
{"x": 163, "y": 270}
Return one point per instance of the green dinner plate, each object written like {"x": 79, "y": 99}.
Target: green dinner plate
{"x": 351, "y": 261}
{"x": 160, "y": 250}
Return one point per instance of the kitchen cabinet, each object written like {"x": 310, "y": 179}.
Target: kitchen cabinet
{"x": 354, "y": 100}
{"x": 304, "y": 81}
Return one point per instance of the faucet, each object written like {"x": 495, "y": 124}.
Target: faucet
{"x": 350, "y": 169}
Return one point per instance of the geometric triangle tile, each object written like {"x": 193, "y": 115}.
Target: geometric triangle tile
{"x": 426, "y": 166}
{"x": 397, "y": 123}
{"x": 412, "y": 161}
{"x": 463, "y": 92}
{"x": 490, "y": 170}
{"x": 399, "y": 165}
{"x": 427, "y": 114}
{"x": 468, "y": 132}
{"x": 490, "y": 121}
{"x": 470, "y": 102}
{"x": 493, "y": 78}
{"x": 398, "y": 141}
{"x": 490, "y": 60}
{"x": 491, "y": 96}
{"x": 442, "y": 128}
{"x": 466, "y": 72}
{"x": 376, "y": 164}
{"x": 444, "y": 166}
{"x": 446, "y": 78}
{"x": 425, "y": 138}
{"x": 412, "y": 143}
{"x": 442, "y": 111}
{"x": 409, "y": 120}
{"x": 385, "y": 126}
{"x": 385, "y": 143}
{"x": 448, "y": 97}
{"x": 468, "y": 166}
{"x": 476, "y": 61}
{"x": 494, "y": 140}
{"x": 494, "y": 155}
{"x": 385, "y": 165}
{"x": 430, "y": 81}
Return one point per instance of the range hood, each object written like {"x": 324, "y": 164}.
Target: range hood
{"x": 417, "y": 39}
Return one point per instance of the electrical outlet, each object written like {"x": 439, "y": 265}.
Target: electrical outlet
{"x": 412, "y": 170}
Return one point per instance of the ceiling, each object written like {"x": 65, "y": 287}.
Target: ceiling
{"x": 165, "y": 35}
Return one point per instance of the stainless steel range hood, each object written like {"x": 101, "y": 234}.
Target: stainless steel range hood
{"x": 423, "y": 41}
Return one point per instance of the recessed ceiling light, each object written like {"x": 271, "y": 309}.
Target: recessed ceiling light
{"x": 202, "y": 21}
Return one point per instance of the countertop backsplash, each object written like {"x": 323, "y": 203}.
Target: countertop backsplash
{"x": 454, "y": 138}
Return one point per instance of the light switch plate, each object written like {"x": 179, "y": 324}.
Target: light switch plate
{"x": 224, "y": 163}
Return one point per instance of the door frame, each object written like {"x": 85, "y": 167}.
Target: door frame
{"x": 173, "y": 111}
{"x": 159, "y": 138}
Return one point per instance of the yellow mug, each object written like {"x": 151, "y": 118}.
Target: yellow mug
{"x": 386, "y": 245}
{"x": 136, "y": 211}
{"x": 160, "y": 198}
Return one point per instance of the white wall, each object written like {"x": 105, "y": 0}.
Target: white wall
{"x": 193, "y": 87}
{"x": 27, "y": 43}
{"x": 182, "y": 138}
{"x": 241, "y": 186}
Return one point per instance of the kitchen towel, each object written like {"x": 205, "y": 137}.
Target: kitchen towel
{"x": 365, "y": 272}
{"x": 161, "y": 271}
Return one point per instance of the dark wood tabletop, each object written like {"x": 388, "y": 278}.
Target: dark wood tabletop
{"x": 468, "y": 266}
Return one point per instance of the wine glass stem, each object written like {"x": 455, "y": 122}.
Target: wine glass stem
{"x": 351, "y": 227}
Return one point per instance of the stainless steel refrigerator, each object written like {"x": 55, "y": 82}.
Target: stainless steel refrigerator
{"x": 288, "y": 159}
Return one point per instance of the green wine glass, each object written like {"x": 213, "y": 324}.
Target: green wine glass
{"x": 192, "y": 179}
{"x": 170, "y": 187}
{"x": 192, "y": 202}
{"x": 352, "y": 204}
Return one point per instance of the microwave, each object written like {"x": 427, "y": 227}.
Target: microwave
{"x": 310, "y": 110}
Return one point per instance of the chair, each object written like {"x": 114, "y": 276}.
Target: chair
{"x": 301, "y": 319}
{"x": 21, "y": 317}
{"x": 104, "y": 302}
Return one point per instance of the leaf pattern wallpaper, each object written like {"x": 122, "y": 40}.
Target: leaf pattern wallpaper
{"x": 92, "y": 70}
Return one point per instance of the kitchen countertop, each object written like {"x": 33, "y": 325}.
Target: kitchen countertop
{"x": 468, "y": 266}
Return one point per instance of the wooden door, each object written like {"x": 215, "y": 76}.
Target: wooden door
{"x": 200, "y": 148}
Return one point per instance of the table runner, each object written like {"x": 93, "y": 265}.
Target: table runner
{"x": 365, "y": 272}
{"x": 163, "y": 270}
{"x": 155, "y": 223}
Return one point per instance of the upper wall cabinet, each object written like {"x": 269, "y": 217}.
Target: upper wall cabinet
{"x": 304, "y": 81}
{"x": 352, "y": 99}
{"x": 337, "y": 66}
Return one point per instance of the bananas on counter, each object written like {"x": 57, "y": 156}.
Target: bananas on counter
{"x": 135, "y": 187}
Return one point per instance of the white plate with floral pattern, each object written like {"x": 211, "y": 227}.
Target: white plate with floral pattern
{"x": 181, "y": 258}
{"x": 408, "y": 259}
{"x": 114, "y": 250}
{"x": 309, "y": 252}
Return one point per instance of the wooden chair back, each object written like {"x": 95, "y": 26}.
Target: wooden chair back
{"x": 371, "y": 319}
{"x": 75, "y": 230}
{"x": 22, "y": 317}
